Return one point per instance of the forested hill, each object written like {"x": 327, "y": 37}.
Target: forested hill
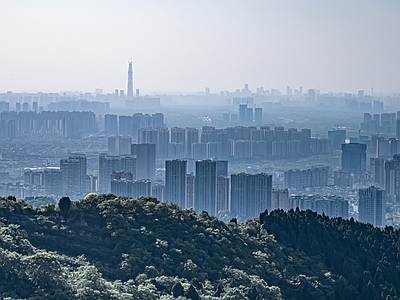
{"x": 108, "y": 247}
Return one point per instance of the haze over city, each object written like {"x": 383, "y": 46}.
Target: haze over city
{"x": 185, "y": 46}
{"x": 209, "y": 149}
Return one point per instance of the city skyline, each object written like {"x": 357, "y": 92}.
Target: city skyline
{"x": 338, "y": 47}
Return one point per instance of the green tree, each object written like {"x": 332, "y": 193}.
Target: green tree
{"x": 64, "y": 204}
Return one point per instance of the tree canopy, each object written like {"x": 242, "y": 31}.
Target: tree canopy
{"x": 121, "y": 248}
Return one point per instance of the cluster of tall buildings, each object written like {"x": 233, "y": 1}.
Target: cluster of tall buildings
{"x": 70, "y": 178}
{"x": 383, "y": 172}
{"x": 386, "y": 175}
{"x": 129, "y": 125}
{"x": 47, "y": 123}
{"x": 383, "y": 123}
{"x": 332, "y": 206}
{"x": 226, "y": 143}
{"x": 38, "y": 102}
{"x": 210, "y": 189}
{"x": 110, "y": 164}
{"x": 302, "y": 179}
{"x": 353, "y": 165}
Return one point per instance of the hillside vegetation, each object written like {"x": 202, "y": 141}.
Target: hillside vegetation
{"x": 108, "y": 247}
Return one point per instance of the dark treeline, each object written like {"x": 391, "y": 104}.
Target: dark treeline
{"x": 366, "y": 258}
{"x": 108, "y": 247}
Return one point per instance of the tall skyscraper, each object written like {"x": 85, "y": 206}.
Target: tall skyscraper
{"x": 130, "y": 81}
{"x": 206, "y": 187}
{"x": 250, "y": 194}
{"x": 372, "y": 206}
{"x": 354, "y": 157}
{"x": 175, "y": 182}
{"x": 146, "y": 160}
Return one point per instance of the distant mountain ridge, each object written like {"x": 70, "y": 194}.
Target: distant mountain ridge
{"x": 109, "y": 247}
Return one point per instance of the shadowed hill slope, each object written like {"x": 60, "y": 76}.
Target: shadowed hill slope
{"x": 108, "y": 247}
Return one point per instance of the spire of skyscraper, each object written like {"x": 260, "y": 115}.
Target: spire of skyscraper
{"x": 130, "y": 80}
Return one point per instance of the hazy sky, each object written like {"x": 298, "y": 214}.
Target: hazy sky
{"x": 186, "y": 45}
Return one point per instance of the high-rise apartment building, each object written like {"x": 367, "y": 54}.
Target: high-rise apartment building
{"x": 128, "y": 165}
{"x": 132, "y": 188}
{"x": 145, "y": 160}
{"x": 397, "y": 129}
{"x": 258, "y": 115}
{"x": 336, "y": 138}
{"x": 250, "y": 194}
{"x": 206, "y": 187}
{"x": 190, "y": 186}
{"x": 377, "y": 169}
{"x": 354, "y": 157}
{"x": 392, "y": 177}
{"x": 158, "y": 136}
{"x": 305, "y": 141}
{"x": 280, "y": 199}
{"x": 73, "y": 171}
{"x": 53, "y": 184}
{"x": 372, "y": 206}
{"x": 107, "y": 165}
{"x": 127, "y": 126}
{"x": 177, "y": 135}
{"x": 148, "y": 136}
{"x": 111, "y": 124}
{"x": 223, "y": 203}
{"x": 242, "y": 112}
{"x": 191, "y": 137}
{"x": 199, "y": 150}
{"x": 301, "y": 179}
{"x": 332, "y": 206}
{"x": 176, "y": 182}
{"x": 162, "y": 142}
{"x": 119, "y": 145}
